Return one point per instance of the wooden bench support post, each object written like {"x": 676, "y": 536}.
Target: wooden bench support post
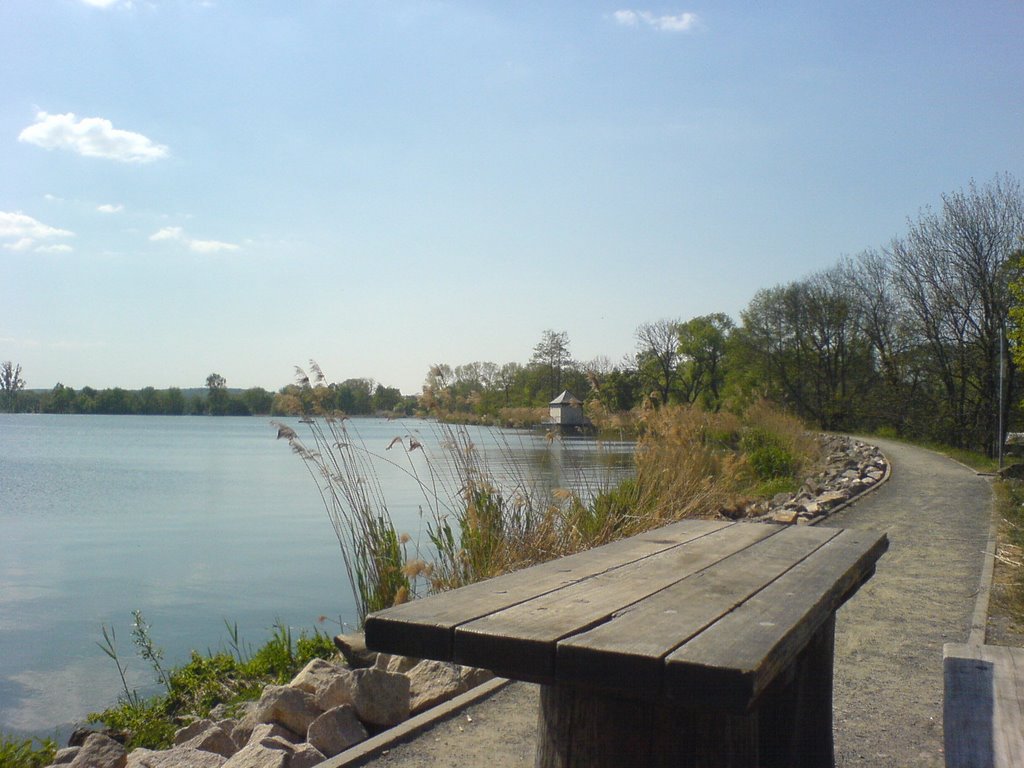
{"x": 796, "y": 711}
{"x": 789, "y": 727}
{"x": 581, "y": 727}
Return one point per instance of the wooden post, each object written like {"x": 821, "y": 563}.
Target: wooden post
{"x": 796, "y": 710}
{"x": 580, "y": 727}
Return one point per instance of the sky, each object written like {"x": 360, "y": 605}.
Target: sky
{"x": 241, "y": 186}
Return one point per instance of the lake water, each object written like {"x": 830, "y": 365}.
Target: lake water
{"x": 194, "y": 521}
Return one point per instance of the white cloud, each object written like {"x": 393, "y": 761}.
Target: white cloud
{"x": 91, "y": 137}
{"x": 108, "y": 3}
{"x": 110, "y": 208}
{"x": 61, "y": 248}
{"x": 199, "y": 246}
{"x": 682, "y": 22}
{"x": 19, "y": 232}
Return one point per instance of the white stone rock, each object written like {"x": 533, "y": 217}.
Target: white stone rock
{"x": 306, "y": 756}
{"x": 178, "y": 757}
{"x": 100, "y": 751}
{"x": 65, "y": 755}
{"x": 380, "y": 698}
{"x": 336, "y": 691}
{"x": 315, "y": 674}
{"x": 257, "y": 755}
{"x": 214, "y": 739}
{"x": 336, "y": 730}
{"x": 431, "y": 682}
{"x": 293, "y": 708}
{"x": 191, "y": 730}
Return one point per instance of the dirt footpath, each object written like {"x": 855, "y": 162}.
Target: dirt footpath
{"x": 888, "y": 666}
{"x": 889, "y": 637}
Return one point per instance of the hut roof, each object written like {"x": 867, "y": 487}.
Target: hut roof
{"x": 566, "y": 398}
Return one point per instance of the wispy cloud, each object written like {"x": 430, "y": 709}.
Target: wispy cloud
{"x": 682, "y": 22}
{"x": 177, "y": 234}
{"x": 110, "y": 208}
{"x": 20, "y": 232}
{"x": 91, "y": 137}
{"x": 108, "y": 3}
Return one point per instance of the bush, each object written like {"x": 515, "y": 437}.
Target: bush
{"x": 15, "y": 753}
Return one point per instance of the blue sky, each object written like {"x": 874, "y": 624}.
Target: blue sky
{"x": 189, "y": 187}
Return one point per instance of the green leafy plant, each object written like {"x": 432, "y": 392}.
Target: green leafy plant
{"x": 26, "y": 753}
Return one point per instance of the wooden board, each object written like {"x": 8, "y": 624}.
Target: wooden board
{"x": 730, "y": 664}
{"x": 424, "y": 628}
{"x": 983, "y": 706}
{"x": 629, "y": 650}
{"x": 520, "y": 642}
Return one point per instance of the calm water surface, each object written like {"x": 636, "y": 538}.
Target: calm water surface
{"x": 193, "y": 521}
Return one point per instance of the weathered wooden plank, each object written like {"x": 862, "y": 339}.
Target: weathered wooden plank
{"x": 983, "y": 704}
{"x": 627, "y": 652}
{"x": 732, "y": 662}
{"x": 520, "y": 641}
{"x": 424, "y": 628}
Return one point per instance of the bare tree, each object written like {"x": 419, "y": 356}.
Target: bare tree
{"x": 657, "y": 357}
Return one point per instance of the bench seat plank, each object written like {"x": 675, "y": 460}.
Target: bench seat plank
{"x": 983, "y": 706}
{"x": 424, "y": 628}
{"x": 520, "y": 642}
{"x": 628, "y": 651}
{"x": 733, "y": 661}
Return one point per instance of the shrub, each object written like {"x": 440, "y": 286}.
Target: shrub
{"x": 17, "y": 753}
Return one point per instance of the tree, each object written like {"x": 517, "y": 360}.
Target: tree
{"x": 551, "y": 355}
{"x": 218, "y": 397}
{"x": 952, "y": 270}
{"x": 657, "y": 358}
{"x": 702, "y": 346}
{"x": 10, "y": 384}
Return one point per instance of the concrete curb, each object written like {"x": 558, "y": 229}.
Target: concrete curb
{"x": 979, "y": 620}
{"x": 410, "y": 728}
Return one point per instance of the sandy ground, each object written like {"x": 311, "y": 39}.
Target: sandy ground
{"x": 889, "y": 637}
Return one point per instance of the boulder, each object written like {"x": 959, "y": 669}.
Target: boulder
{"x": 293, "y": 708}
{"x": 314, "y": 674}
{"x": 191, "y": 730}
{"x": 431, "y": 682}
{"x": 214, "y": 739}
{"x": 100, "y": 751}
{"x": 380, "y": 698}
{"x": 178, "y": 757}
{"x": 306, "y": 756}
{"x": 401, "y": 664}
{"x": 65, "y": 755}
{"x": 336, "y": 730}
{"x": 257, "y": 754}
{"x": 336, "y": 691}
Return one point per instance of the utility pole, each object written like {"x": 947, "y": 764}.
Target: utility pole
{"x": 1002, "y": 390}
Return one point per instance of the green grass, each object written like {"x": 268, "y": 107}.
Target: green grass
{"x": 191, "y": 690}
{"x": 1010, "y": 508}
{"x": 26, "y": 753}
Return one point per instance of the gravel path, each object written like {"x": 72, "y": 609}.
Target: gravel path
{"x": 888, "y": 679}
{"x": 888, "y": 670}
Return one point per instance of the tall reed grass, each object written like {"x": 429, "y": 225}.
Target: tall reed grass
{"x": 487, "y": 517}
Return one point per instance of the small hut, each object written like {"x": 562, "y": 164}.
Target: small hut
{"x": 567, "y": 411}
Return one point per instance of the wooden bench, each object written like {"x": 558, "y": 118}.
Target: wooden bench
{"x": 982, "y": 706}
{"x": 702, "y": 643}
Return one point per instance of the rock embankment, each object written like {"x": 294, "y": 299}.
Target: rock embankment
{"x": 850, "y": 467}
{"x": 327, "y": 708}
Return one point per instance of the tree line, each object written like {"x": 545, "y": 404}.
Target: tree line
{"x": 921, "y": 337}
{"x": 357, "y": 397}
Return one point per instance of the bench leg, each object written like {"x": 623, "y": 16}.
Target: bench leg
{"x": 789, "y": 727}
{"x": 580, "y": 727}
{"x": 796, "y": 710}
